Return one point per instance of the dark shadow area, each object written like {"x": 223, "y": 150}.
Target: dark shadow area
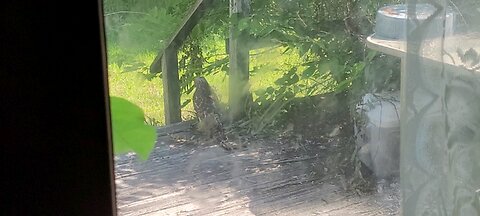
{"x": 53, "y": 112}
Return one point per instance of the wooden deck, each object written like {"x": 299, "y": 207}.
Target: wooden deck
{"x": 183, "y": 177}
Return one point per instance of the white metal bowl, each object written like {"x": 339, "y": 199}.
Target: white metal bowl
{"x": 391, "y": 22}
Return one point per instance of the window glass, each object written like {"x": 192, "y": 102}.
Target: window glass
{"x": 306, "y": 107}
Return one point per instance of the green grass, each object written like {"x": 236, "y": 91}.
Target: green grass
{"x": 269, "y": 65}
{"x": 147, "y": 94}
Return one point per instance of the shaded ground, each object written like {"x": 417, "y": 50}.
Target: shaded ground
{"x": 304, "y": 171}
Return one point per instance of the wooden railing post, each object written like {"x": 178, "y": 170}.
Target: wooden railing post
{"x": 171, "y": 85}
{"x": 239, "y": 92}
{"x": 166, "y": 61}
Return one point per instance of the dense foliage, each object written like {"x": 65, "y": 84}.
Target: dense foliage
{"x": 326, "y": 36}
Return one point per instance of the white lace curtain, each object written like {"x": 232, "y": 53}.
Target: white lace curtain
{"x": 440, "y": 125}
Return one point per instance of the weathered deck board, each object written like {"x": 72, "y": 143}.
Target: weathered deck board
{"x": 182, "y": 178}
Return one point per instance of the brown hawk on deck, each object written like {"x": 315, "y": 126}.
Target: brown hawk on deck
{"x": 205, "y": 103}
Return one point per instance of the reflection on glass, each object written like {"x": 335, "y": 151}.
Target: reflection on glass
{"x": 440, "y": 122}
{"x": 296, "y": 107}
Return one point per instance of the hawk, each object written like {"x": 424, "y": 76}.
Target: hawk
{"x": 205, "y": 103}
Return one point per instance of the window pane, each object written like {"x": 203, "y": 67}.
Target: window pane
{"x": 250, "y": 107}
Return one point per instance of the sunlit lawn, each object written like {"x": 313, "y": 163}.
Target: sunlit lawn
{"x": 270, "y": 64}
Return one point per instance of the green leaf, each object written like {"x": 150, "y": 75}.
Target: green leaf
{"x": 185, "y": 103}
{"x": 130, "y": 133}
{"x": 304, "y": 48}
{"x": 260, "y": 92}
{"x": 270, "y": 90}
{"x": 307, "y": 73}
{"x": 324, "y": 67}
{"x": 318, "y": 48}
{"x": 358, "y": 67}
{"x": 243, "y": 23}
{"x": 288, "y": 78}
{"x": 292, "y": 71}
{"x": 337, "y": 70}
{"x": 343, "y": 85}
{"x": 294, "y": 79}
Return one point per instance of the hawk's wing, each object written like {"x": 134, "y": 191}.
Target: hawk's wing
{"x": 203, "y": 99}
{"x": 205, "y": 105}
